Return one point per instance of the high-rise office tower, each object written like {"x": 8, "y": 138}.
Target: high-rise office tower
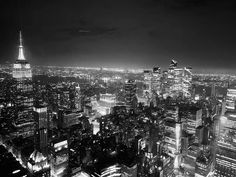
{"x": 24, "y": 98}
{"x": 178, "y": 81}
{"x": 41, "y": 115}
{"x": 194, "y": 119}
{"x": 172, "y": 140}
{"x": 213, "y": 90}
{"x": 156, "y": 80}
{"x": 204, "y": 164}
{"x": 231, "y": 98}
{"x": 147, "y": 91}
{"x": 172, "y": 112}
{"x": 170, "y": 137}
{"x": 191, "y": 117}
{"x": 226, "y": 146}
{"x": 64, "y": 101}
{"x": 59, "y": 157}
{"x": 130, "y": 94}
{"x": 152, "y": 85}
{"x": 78, "y": 105}
{"x": 204, "y": 94}
{"x": 164, "y": 84}
{"x": 64, "y": 96}
{"x": 226, "y": 138}
{"x": 173, "y": 130}
{"x": 223, "y": 107}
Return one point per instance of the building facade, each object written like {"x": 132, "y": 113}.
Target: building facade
{"x": 23, "y": 94}
{"x": 130, "y": 94}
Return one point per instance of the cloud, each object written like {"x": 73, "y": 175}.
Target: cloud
{"x": 95, "y": 31}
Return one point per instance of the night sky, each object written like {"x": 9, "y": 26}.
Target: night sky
{"x": 121, "y": 33}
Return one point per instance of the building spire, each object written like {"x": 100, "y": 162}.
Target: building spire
{"x": 21, "y": 50}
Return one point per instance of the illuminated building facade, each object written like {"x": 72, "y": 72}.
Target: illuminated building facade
{"x": 213, "y": 90}
{"x": 130, "y": 94}
{"x": 156, "y": 80}
{"x": 109, "y": 99}
{"x": 147, "y": 92}
{"x": 78, "y": 105}
{"x": 172, "y": 112}
{"x": 204, "y": 164}
{"x": 194, "y": 119}
{"x": 96, "y": 127}
{"x": 152, "y": 85}
{"x": 191, "y": 116}
{"x": 166, "y": 167}
{"x": 24, "y": 94}
{"x": 172, "y": 137}
{"x": 189, "y": 160}
{"x": 172, "y": 140}
{"x": 81, "y": 174}
{"x": 178, "y": 136}
{"x": 177, "y": 81}
{"x": 164, "y": 84}
{"x": 119, "y": 170}
{"x": 38, "y": 164}
{"x": 175, "y": 135}
{"x": 59, "y": 159}
{"x": 114, "y": 170}
{"x": 41, "y": 115}
{"x": 64, "y": 101}
{"x": 70, "y": 118}
{"x": 230, "y": 99}
{"x": 104, "y": 105}
{"x": 226, "y": 146}
{"x": 64, "y": 96}
{"x": 199, "y": 135}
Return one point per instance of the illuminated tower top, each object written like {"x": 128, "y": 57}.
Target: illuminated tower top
{"x": 21, "y": 49}
{"x": 21, "y": 68}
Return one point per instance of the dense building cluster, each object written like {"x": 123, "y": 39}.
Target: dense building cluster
{"x": 149, "y": 127}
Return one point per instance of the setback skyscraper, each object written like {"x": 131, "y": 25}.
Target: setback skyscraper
{"x": 23, "y": 94}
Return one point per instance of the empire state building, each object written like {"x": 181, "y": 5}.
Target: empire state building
{"x": 22, "y": 74}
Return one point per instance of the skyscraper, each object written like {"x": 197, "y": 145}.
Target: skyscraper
{"x": 178, "y": 81}
{"x": 172, "y": 138}
{"x": 164, "y": 84}
{"x": 147, "y": 83}
{"x": 78, "y": 98}
{"x": 23, "y": 100}
{"x": 226, "y": 147}
{"x": 130, "y": 94}
{"x": 152, "y": 85}
{"x": 156, "y": 80}
{"x": 231, "y": 98}
{"x": 226, "y": 131}
{"x": 41, "y": 115}
{"x": 213, "y": 90}
{"x": 59, "y": 157}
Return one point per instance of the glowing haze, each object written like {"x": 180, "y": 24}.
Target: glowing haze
{"x": 121, "y": 33}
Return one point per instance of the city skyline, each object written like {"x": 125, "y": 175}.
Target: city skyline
{"x": 126, "y": 88}
{"x": 64, "y": 121}
{"x": 122, "y": 34}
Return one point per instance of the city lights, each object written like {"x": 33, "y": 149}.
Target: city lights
{"x": 148, "y": 115}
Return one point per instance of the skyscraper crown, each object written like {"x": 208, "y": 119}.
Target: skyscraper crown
{"x": 21, "y": 49}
